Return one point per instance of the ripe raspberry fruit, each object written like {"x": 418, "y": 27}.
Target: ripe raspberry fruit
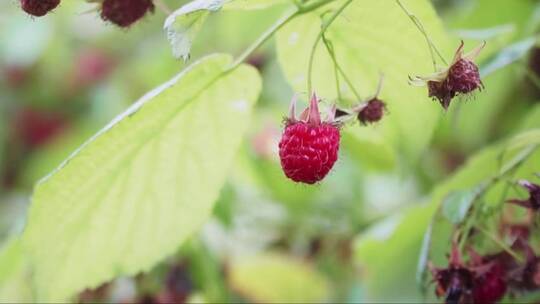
{"x": 461, "y": 77}
{"x": 125, "y": 12}
{"x": 39, "y": 8}
{"x": 309, "y": 148}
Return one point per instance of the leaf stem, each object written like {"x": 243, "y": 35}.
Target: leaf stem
{"x": 288, "y": 16}
{"x": 501, "y": 244}
{"x": 324, "y": 27}
{"x": 432, "y": 48}
{"x": 337, "y": 66}
{"x": 295, "y": 11}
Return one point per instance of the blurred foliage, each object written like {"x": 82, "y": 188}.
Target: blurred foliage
{"x": 356, "y": 237}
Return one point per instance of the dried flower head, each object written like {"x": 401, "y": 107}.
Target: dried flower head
{"x": 533, "y": 201}
{"x": 461, "y": 77}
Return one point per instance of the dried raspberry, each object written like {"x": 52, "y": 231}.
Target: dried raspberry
{"x": 533, "y": 202}
{"x": 125, "y": 12}
{"x": 372, "y": 112}
{"x": 39, "y": 8}
{"x": 491, "y": 286}
{"x": 464, "y": 77}
{"x": 309, "y": 148}
{"x": 455, "y": 282}
{"x": 461, "y": 77}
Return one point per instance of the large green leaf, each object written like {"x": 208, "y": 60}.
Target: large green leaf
{"x": 366, "y": 44}
{"x": 274, "y": 278}
{"x": 14, "y": 273}
{"x": 135, "y": 191}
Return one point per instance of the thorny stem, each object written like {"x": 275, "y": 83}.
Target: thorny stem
{"x": 324, "y": 27}
{"x": 432, "y": 48}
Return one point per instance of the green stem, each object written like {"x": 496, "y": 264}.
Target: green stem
{"x": 432, "y": 48}
{"x": 501, "y": 244}
{"x": 288, "y": 16}
{"x": 337, "y": 67}
{"x": 330, "y": 49}
{"x": 324, "y": 27}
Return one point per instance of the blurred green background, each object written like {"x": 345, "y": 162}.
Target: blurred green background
{"x": 355, "y": 237}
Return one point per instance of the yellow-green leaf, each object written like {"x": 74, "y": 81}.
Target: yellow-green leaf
{"x": 136, "y": 190}
{"x": 274, "y": 278}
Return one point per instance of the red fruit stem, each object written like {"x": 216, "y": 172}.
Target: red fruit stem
{"x": 314, "y": 117}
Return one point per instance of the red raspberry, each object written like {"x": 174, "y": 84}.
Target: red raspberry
{"x": 39, "y": 8}
{"x": 309, "y": 148}
{"x": 125, "y": 12}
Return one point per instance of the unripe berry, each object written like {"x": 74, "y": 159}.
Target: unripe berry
{"x": 39, "y": 8}
{"x": 309, "y": 148}
{"x": 125, "y": 12}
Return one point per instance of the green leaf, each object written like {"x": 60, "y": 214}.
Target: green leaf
{"x": 506, "y": 56}
{"x": 423, "y": 259}
{"x": 369, "y": 149}
{"x": 183, "y": 25}
{"x": 252, "y": 4}
{"x": 14, "y": 273}
{"x": 136, "y": 190}
{"x": 457, "y": 204}
{"x": 274, "y": 278}
{"x": 366, "y": 44}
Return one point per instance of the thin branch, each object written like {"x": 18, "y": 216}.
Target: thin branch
{"x": 324, "y": 27}
{"x": 432, "y": 48}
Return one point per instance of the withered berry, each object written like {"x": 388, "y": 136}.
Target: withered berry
{"x": 533, "y": 202}
{"x": 125, "y": 12}
{"x": 461, "y": 77}
{"x": 372, "y": 112}
{"x": 39, "y": 8}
